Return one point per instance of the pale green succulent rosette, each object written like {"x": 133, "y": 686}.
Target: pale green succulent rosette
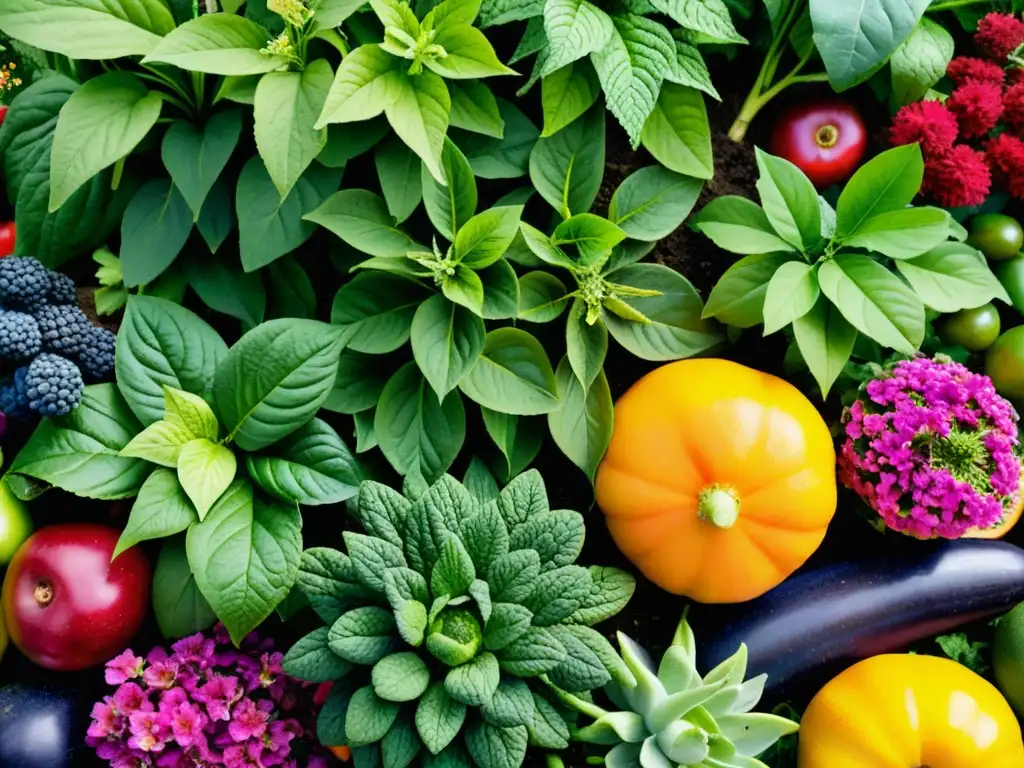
{"x": 677, "y": 719}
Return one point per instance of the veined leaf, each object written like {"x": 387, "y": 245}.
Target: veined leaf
{"x": 367, "y": 82}
{"x": 825, "y": 341}
{"x": 218, "y": 44}
{"x": 567, "y": 93}
{"x": 677, "y": 132}
{"x": 574, "y": 29}
{"x": 419, "y": 114}
{"x": 567, "y": 168}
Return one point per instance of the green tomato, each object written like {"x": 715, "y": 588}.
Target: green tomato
{"x": 1004, "y": 363}
{"x": 973, "y": 329}
{"x": 1011, "y": 275}
{"x": 998, "y": 236}
{"x": 15, "y": 523}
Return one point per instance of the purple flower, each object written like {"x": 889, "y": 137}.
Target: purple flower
{"x": 187, "y": 724}
{"x": 218, "y": 695}
{"x": 244, "y": 755}
{"x": 149, "y": 731}
{"x": 123, "y": 667}
{"x": 130, "y": 698}
{"x": 247, "y": 721}
{"x": 161, "y": 674}
{"x": 196, "y": 649}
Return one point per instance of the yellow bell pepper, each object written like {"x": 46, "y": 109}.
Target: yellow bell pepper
{"x": 906, "y": 711}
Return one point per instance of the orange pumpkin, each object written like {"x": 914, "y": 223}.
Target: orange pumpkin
{"x": 719, "y": 481}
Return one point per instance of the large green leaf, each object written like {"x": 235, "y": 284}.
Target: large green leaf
{"x": 904, "y": 233}
{"x": 450, "y": 204}
{"x": 447, "y": 339}
{"x": 205, "y": 470}
{"x": 951, "y": 277}
{"x": 419, "y": 115}
{"x": 825, "y": 341}
{"x": 582, "y": 424}
{"x": 707, "y": 17}
{"x": 376, "y": 309}
{"x": 469, "y": 54}
{"x": 245, "y": 556}
{"x": 399, "y": 171}
{"x": 154, "y": 229}
{"x": 218, "y": 44}
{"x": 196, "y": 157}
{"x": 739, "y": 225}
{"x": 652, "y": 202}
{"x": 475, "y": 109}
{"x": 78, "y": 453}
{"x": 162, "y": 509}
{"x": 88, "y": 29}
{"x": 519, "y": 438}
{"x": 275, "y": 379}
{"x": 512, "y": 375}
{"x": 363, "y": 220}
{"x": 224, "y": 287}
{"x": 100, "y": 124}
{"x": 677, "y": 132}
{"x": 790, "y": 201}
{"x": 367, "y": 82}
{"x": 887, "y": 182}
{"x": 162, "y": 344}
{"x": 856, "y": 39}
{"x": 217, "y": 217}
{"x": 738, "y": 297}
{"x": 574, "y": 28}
{"x": 567, "y": 93}
{"x": 567, "y": 168}
{"x": 504, "y": 158}
{"x": 921, "y": 61}
{"x": 179, "y": 606}
{"x": 791, "y": 293}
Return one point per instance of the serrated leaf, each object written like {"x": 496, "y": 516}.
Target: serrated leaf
{"x": 558, "y": 593}
{"x": 511, "y": 705}
{"x": 454, "y": 571}
{"x": 493, "y": 747}
{"x": 512, "y": 577}
{"x": 610, "y": 590}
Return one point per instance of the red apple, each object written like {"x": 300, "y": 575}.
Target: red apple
{"x": 66, "y": 606}
{"x": 7, "y": 235}
{"x": 3, "y": 113}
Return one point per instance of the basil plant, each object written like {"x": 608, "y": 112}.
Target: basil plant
{"x": 871, "y": 266}
{"x": 218, "y": 447}
{"x": 446, "y": 619}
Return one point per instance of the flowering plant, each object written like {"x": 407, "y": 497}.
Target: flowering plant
{"x": 932, "y": 449}
{"x": 986, "y": 107}
{"x": 206, "y": 703}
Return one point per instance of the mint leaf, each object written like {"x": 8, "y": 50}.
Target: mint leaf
{"x": 535, "y": 652}
{"x": 513, "y": 577}
{"x": 485, "y": 537}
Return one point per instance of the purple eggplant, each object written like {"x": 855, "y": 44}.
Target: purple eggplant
{"x": 824, "y": 620}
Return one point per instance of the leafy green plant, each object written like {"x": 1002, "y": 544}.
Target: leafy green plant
{"x": 675, "y": 717}
{"x": 185, "y": 415}
{"x": 112, "y": 295}
{"x": 444, "y": 618}
{"x": 869, "y": 267}
{"x": 853, "y": 41}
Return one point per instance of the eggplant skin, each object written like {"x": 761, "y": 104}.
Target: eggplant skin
{"x": 39, "y": 728}
{"x": 824, "y": 620}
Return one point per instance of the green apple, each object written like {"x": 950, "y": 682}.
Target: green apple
{"x": 15, "y": 523}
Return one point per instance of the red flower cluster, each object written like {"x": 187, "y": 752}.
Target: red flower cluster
{"x": 987, "y": 105}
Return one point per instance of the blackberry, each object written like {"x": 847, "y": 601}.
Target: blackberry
{"x": 64, "y": 329}
{"x": 62, "y": 289}
{"x": 54, "y": 385}
{"x": 97, "y": 357}
{"x": 20, "y": 338}
{"x": 24, "y": 283}
{"x": 14, "y": 399}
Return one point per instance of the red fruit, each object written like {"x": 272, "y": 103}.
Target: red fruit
{"x": 825, "y": 139}
{"x": 66, "y": 606}
{"x": 6, "y": 238}
{"x": 3, "y": 113}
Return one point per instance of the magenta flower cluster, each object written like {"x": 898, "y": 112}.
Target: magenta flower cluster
{"x": 205, "y": 704}
{"x": 933, "y": 449}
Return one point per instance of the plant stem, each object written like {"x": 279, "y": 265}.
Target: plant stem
{"x": 756, "y": 100}
{"x": 951, "y": 4}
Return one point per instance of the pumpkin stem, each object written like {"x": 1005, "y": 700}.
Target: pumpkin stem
{"x": 719, "y": 505}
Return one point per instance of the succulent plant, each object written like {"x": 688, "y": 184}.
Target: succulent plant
{"x": 442, "y": 619}
{"x": 676, "y": 718}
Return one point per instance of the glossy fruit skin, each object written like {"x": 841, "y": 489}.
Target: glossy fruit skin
{"x": 15, "y": 523}
{"x": 39, "y": 728}
{"x": 906, "y": 711}
{"x": 3, "y": 113}
{"x": 1011, "y": 275}
{"x": 998, "y": 236}
{"x": 96, "y": 606}
{"x": 3, "y": 637}
{"x": 825, "y": 139}
{"x": 973, "y": 329}
{"x": 1008, "y": 657}
{"x": 6, "y": 238}
{"x": 1004, "y": 363}
{"x": 690, "y": 426}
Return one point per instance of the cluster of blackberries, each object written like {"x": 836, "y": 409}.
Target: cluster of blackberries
{"x": 43, "y": 331}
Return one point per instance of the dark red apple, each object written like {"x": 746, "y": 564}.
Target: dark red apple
{"x": 66, "y": 606}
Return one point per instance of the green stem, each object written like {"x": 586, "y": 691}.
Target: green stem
{"x": 198, "y": 88}
{"x": 756, "y": 100}
{"x": 156, "y": 76}
{"x": 951, "y": 4}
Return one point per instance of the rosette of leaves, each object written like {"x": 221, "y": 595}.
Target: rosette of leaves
{"x": 187, "y": 413}
{"x": 870, "y": 267}
{"x": 675, "y": 717}
{"x": 442, "y": 619}
{"x": 405, "y": 76}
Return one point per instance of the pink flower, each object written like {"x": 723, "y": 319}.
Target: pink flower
{"x": 131, "y": 698}
{"x": 244, "y": 755}
{"x": 196, "y": 649}
{"x": 161, "y": 674}
{"x": 123, "y": 667}
{"x": 247, "y": 721}
{"x": 105, "y": 720}
{"x": 149, "y": 731}
{"x": 219, "y": 695}
{"x": 187, "y": 724}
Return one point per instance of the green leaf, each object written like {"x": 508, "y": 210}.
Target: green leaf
{"x": 582, "y": 424}
{"x": 116, "y": 28}
{"x": 557, "y": 594}
{"x": 270, "y": 227}
{"x": 161, "y": 344}
{"x": 592, "y": 236}
{"x": 101, "y": 123}
{"x": 574, "y": 29}
{"x": 217, "y": 44}
{"x": 402, "y": 584}
{"x": 453, "y": 572}
{"x": 155, "y": 227}
{"x": 677, "y": 132}
{"x": 365, "y": 222}
{"x": 419, "y": 115}
{"x": 286, "y": 109}
{"x": 921, "y": 61}
{"x": 161, "y": 510}
{"x": 512, "y": 375}
{"x": 542, "y": 297}
{"x": 474, "y": 682}
{"x": 631, "y": 67}
{"x": 291, "y": 291}
{"x": 330, "y": 723}
{"x": 470, "y": 54}
{"x": 330, "y": 13}
{"x": 191, "y": 413}
{"x": 887, "y": 182}
{"x": 416, "y": 432}
{"x": 369, "y": 717}
{"x": 363, "y": 635}
{"x": 346, "y": 141}
{"x": 951, "y": 277}
{"x": 689, "y": 68}
{"x": 452, "y": 202}
{"x": 224, "y": 287}
{"x": 494, "y": 747}
{"x": 518, "y": 438}
{"x": 874, "y": 301}
{"x": 508, "y": 622}
{"x": 275, "y": 379}
{"x": 376, "y": 311}
{"x": 495, "y": 12}
{"x": 439, "y": 718}
{"x": 556, "y": 536}
{"x": 475, "y": 109}
{"x": 610, "y": 590}
{"x": 311, "y": 659}
{"x": 675, "y": 330}
{"x": 902, "y": 234}
{"x": 360, "y": 380}
{"x": 505, "y": 158}
{"x": 398, "y": 169}
{"x": 205, "y": 470}
{"x": 196, "y": 158}
{"x": 217, "y": 218}
{"x": 511, "y": 705}
{"x": 738, "y": 297}
{"x": 708, "y": 17}
{"x": 400, "y": 677}
{"x": 586, "y": 345}
{"x": 328, "y": 580}
{"x": 447, "y": 339}
{"x": 501, "y": 290}
{"x": 548, "y": 728}
{"x": 245, "y": 556}
{"x": 160, "y": 443}
{"x": 79, "y": 453}
{"x": 537, "y": 651}
{"x": 312, "y": 466}
{"x": 567, "y": 168}
{"x": 523, "y": 497}
{"x": 856, "y": 40}
{"x": 512, "y": 576}
{"x": 738, "y": 225}
{"x": 825, "y": 341}
{"x": 368, "y": 81}
{"x": 653, "y": 202}
{"x": 791, "y": 293}
{"x": 241, "y": 89}
{"x": 790, "y": 201}
{"x": 567, "y": 93}
{"x": 485, "y": 237}
{"x": 179, "y": 606}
